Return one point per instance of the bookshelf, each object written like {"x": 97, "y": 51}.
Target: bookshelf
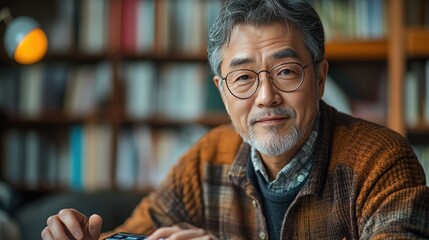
{"x": 350, "y": 50}
{"x": 103, "y": 51}
{"x": 109, "y": 49}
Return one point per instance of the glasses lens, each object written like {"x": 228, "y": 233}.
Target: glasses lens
{"x": 287, "y": 77}
{"x": 242, "y": 83}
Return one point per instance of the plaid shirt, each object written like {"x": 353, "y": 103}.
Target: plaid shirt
{"x": 365, "y": 183}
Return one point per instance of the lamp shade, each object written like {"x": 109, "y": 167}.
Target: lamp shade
{"x": 25, "y": 41}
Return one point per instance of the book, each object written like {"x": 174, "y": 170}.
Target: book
{"x": 163, "y": 33}
{"x": 102, "y": 86}
{"x": 166, "y": 154}
{"x": 145, "y": 26}
{"x": 88, "y": 88}
{"x": 193, "y": 76}
{"x": 363, "y": 19}
{"x": 140, "y": 89}
{"x": 114, "y": 13}
{"x": 14, "y": 156}
{"x": 126, "y": 163}
{"x": 97, "y": 162}
{"x": 212, "y": 8}
{"x": 336, "y": 97}
{"x": 411, "y": 99}
{"x": 93, "y": 28}
{"x": 103, "y": 177}
{"x": 376, "y": 19}
{"x": 30, "y": 95}
{"x": 55, "y": 79}
{"x": 52, "y": 163}
{"x": 422, "y": 152}
{"x": 129, "y": 13}
{"x": 64, "y": 172}
{"x": 32, "y": 160}
{"x": 170, "y": 145}
{"x": 60, "y": 31}
{"x": 76, "y": 167}
{"x": 142, "y": 139}
{"x": 9, "y": 90}
{"x": 83, "y": 101}
{"x": 175, "y": 98}
{"x": 213, "y": 97}
{"x": 90, "y": 154}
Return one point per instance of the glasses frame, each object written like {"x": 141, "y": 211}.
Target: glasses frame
{"x": 271, "y": 79}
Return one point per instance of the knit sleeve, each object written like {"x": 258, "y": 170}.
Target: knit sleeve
{"x": 394, "y": 200}
{"x": 176, "y": 200}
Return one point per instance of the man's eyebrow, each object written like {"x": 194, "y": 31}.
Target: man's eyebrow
{"x": 285, "y": 53}
{"x": 239, "y": 61}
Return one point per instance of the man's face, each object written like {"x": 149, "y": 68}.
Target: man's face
{"x": 272, "y": 121}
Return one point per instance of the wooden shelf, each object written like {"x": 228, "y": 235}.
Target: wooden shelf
{"x": 419, "y": 134}
{"x": 417, "y": 42}
{"x": 166, "y": 57}
{"x": 335, "y": 50}
{"x": 356, "y": 50}
{"x": 77, "y": 57}
{"x": 210, "y": 120}
{"x": 80, "y": 57}
{"x": 51, "y": 120}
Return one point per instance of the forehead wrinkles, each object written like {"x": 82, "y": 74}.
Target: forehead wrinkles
{"x": 260, "y": 38}
{"x": 281, "y": 54}
{"x": 259, "y": 34}
{"x": 245, "y": 37}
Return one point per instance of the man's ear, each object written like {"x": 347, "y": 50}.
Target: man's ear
{"x": 218, "y": 82}
{"x": 321, "y": 77}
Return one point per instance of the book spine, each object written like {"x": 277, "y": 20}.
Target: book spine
{"x": 76, "y": 157}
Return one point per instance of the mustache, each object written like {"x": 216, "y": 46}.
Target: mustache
{"x": 285, "y": 112}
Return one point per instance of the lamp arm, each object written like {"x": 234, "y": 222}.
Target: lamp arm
{"x": 5, "y": 15}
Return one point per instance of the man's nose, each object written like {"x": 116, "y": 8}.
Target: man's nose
{"x": 267, "y": 94}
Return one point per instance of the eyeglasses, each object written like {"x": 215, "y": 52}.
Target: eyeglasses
{"x": 286, "y": 77}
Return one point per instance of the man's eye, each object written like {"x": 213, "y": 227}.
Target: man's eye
{"x": 243, "y": 78}
{"x": 286, "y": 71}
{"x": 287, "y": 74}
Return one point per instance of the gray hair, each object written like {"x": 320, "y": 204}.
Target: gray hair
{"x": 298, "y": 13}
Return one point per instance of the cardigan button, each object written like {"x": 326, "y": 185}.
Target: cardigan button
{"x": 255, "y": 204}
{"x": 262, "y": 235}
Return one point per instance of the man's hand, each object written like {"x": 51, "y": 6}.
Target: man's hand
{"x": 71, "y": 224}
{"x": 181, "y": 231}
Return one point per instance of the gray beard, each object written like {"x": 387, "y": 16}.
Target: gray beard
{"x": 273, "y": 144}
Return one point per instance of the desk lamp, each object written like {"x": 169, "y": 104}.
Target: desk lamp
{"x": 24, "y": 40}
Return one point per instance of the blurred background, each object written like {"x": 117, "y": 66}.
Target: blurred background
{"x": 125, "y": 89}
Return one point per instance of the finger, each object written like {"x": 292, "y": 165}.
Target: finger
{"x": 46, "y": 234}
{"x": 205, "y": 237}
{"x": 189, "y": 234}
{"x": 163, "y": 232}
{"x": 73, "y": 220}
{"x": 57, "y": 228}
{"x": 94, "y": 226}
{"x": 185, "y": 225}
